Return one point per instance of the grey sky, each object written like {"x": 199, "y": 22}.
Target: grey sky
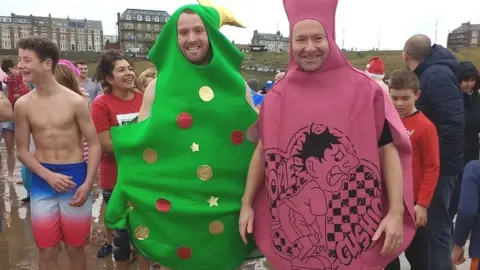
{"x": 361, "y": 19}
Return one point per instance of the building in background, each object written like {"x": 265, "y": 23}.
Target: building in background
{"x": 466, "y": 36}
{"x": 138, "y": 29}
{"x": 272, "y": 42}
{"x": 109, "y": 39}
{"x": 68, "y": 34}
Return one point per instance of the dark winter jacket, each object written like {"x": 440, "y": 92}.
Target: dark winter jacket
{"x": 472, "y": 112}
{"x": 441, "y": 101}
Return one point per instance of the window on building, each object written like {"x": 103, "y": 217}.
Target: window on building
{"x": 139, "y": 26}
{"x": 81, "y": 38}
{"x": 73, "y": 47}
{"x": 156, "y": 27}
{"x": 149, "y": 27}
{"x": 474, "y": 41}
{"x": 6, "y": 44}
{"x": 97, "y": 39}
{"x": 128, "y": 17}
{"x": 139, "y": 17}
{"x": 474, "y": 34}
{"x": 148, "y": 36}
{"x": 157, "y": 19}
{"x": 89, "y": 47}
{"x": 147, "y": 18}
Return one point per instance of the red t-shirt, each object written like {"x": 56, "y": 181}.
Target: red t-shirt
{"x": 108, "y": 111}
{"x": 16, "y": 88}
{"x": 425, "y": 158}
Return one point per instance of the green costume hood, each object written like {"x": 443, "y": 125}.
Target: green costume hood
{"x": 182, "y": 171}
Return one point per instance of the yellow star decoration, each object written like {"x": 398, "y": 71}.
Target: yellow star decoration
{"x": 226, "y": 16}
{"x": 195, "y": 147}
{"x": 213, "y": 201}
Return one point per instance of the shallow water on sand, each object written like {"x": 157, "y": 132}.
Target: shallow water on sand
{"x": 17, "y": 247}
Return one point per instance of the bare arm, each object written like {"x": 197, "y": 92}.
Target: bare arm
{"x": 22, "y": 140}
{"x": 87, "y": 128}
{"x": 6, "y": 112}
{"x": 256, "y": 175}
{"x": 105, "y": 141}
{"x": 393, "y": 177}
{"x": 148, "y": 97}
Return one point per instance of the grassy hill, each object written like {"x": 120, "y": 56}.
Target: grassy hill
{"x": 392, "y": 59}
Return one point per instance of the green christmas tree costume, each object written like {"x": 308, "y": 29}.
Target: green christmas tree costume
{"x": 182, "y": 171}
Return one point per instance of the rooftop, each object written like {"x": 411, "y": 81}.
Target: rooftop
{"x": 467, "y": 27}
{"x": 59, "y": 22}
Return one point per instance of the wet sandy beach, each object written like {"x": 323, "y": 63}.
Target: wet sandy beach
{"x": 17, "y": 247}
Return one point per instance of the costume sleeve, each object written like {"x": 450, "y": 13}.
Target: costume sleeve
{"x": 117, "y": 212}
{"x": 100, "y": 116}
{"x": 386, "y": 136}
{"x": 430, "y": 153}
{"x": 468, "y": 205}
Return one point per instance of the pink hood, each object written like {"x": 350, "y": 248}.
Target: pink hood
{"x": 324, "y": 195}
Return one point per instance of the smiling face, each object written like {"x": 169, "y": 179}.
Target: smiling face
{"x": 193, "y": 38}
{"x": 32, "y": 68}
{"x": 83, "y": 70}
{"x": 310, "y": 47}
{"x": 123, "y": 76}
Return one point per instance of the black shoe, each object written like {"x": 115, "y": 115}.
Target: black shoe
{"x": 26, "y": 199}
{"x": 104, "y": 251}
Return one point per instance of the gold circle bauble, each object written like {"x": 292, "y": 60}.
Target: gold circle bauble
{"x": 206, "y": 93}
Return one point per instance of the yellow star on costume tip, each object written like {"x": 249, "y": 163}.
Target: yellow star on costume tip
{"x": 226, "y": 16}
{"x": 195, "y": 147}
{"x": 213, "y": 201}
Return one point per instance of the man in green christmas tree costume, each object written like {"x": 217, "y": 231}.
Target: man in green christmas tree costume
{"x": 182, "y": 171}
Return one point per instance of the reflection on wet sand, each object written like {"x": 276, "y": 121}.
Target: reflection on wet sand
{"x": 17, "y": 246}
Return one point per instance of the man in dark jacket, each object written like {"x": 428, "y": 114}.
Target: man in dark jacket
{"x": 441, "y": 101}
{"x": 469, "y": 80}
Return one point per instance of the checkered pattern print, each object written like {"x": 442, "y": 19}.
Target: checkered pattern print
{"x": 346, "y": 207}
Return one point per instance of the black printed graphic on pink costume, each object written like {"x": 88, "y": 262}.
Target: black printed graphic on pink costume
{"x": 325, "y": 201}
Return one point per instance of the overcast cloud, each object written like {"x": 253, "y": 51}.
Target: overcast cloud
{"x": 363, "y": 21}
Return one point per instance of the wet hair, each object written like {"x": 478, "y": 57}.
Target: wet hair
{"x": 106, "y": 66}
{"x": 44, "y": 48}
{"x": 418, "y": 47}
{"x": 80, "y": 62}
{"x": 66, "y": 77}
{"x": 142, "y": 79}
{"x": 404, "y": 79}
{"x": 7, "y": 65}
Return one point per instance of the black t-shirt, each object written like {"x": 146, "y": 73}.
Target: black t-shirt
{"x": 386, "y": 136}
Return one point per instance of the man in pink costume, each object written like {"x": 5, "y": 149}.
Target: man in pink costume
{"x": 333, "y": 153}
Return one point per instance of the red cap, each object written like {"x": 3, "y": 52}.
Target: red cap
{"x": 376, "y": 68}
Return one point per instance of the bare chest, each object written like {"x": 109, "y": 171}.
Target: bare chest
{"x": 51, "y": 116}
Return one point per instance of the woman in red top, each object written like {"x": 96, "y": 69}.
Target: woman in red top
{"x": 119, "y": 105}
{"x": 16, "y": 88}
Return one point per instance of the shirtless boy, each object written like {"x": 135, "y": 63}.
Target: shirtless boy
{"x": 57, "y": 118}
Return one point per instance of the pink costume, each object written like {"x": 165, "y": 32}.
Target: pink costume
{"x": 324, "y": 197}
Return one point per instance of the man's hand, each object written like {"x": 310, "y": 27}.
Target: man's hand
{"x": 245, "y": 221}
{"x": 392, "y": 226}
{"x": 458, "y": 255}
{"x": 420, "y": 215}
{"x": 81, "y": 196}
{"x": 60, "y": 182}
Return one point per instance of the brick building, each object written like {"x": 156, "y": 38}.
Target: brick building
{"x": 138, "y": 29}
{"x": 69, "y": 34}
{"x": 466, "y": 36}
